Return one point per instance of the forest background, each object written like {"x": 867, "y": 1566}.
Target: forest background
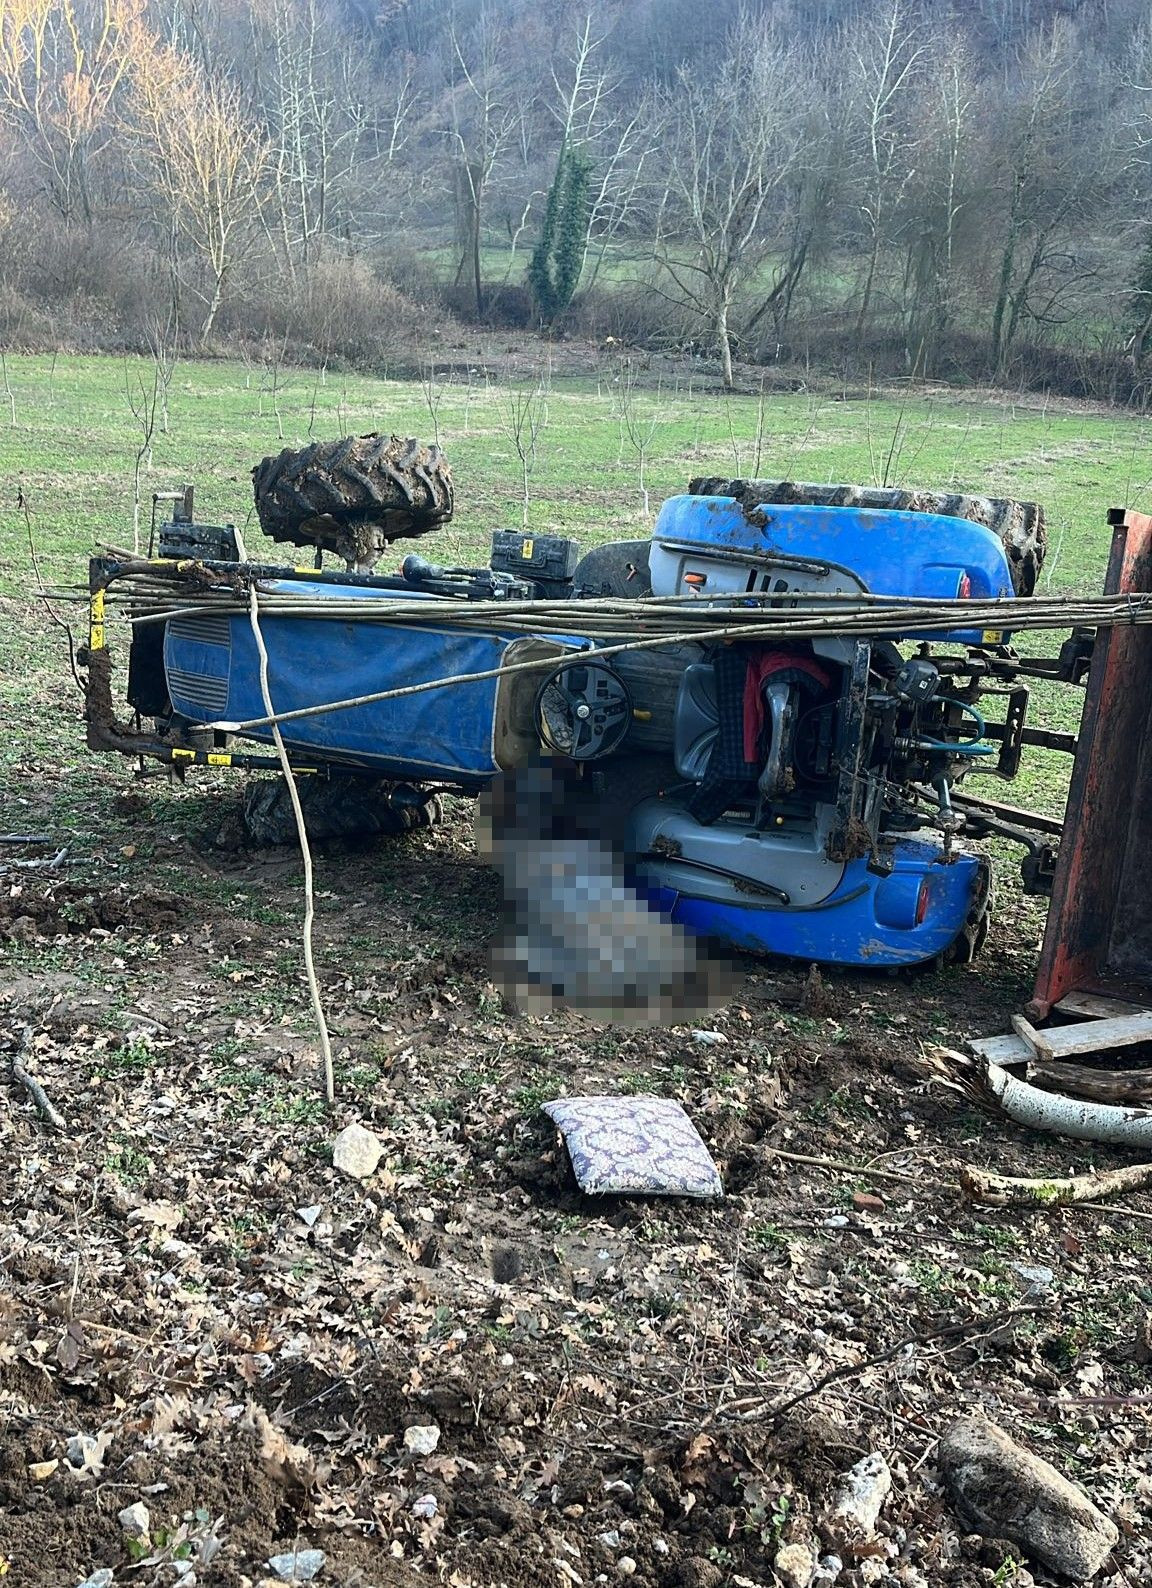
{"x": 946, "y": 189}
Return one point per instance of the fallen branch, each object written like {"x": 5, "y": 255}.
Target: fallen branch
{"x": 849, "y": 1168}
{"x": 1069, "y": 1116}
{"x": 1002, "y": 1190}
{"x": 37, "y": 865}
{"x": 858, "y": 1369}
{"x": 32, "y": 1086}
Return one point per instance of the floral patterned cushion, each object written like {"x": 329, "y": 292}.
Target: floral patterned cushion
{"x": 634, "y": 1146}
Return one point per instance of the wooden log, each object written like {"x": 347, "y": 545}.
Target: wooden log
{"x": 1130, "y": 1088}
{"x": 1069, "y": 1116}
{"x": 1002, "y": 1190}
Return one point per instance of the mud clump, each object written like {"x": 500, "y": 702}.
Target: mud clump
{"x": 66, "y": 909}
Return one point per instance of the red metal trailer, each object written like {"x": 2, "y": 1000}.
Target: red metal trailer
{"x": 1098, "y": 940}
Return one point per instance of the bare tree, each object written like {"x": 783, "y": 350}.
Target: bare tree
{"x": 142, "y": 394}
{"x": 942, "y": 195}
{"x": 434, "y": 384}
{"x": 62, "y": 63}
{"x": 163, "y": 339}
{"x": 639, "y": 423}
{"x": 810, "y": 203}
{"x": 208, "y": 166}
{"x": 1052, "y": 179}
{"x": 7, "y": 388}
{"x": 884, "y": 52}
{"x": 327, "y": 119}
{"x": 484, "y": 112}
{"x": 735, "y": 138}
{"x": 523, "y": 421}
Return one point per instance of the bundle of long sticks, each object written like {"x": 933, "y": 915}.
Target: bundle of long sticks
{"x": 609, "y": 625}
{"x": 155, "y": 598}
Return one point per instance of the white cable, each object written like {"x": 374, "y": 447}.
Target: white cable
{"x": 305, "y": 850}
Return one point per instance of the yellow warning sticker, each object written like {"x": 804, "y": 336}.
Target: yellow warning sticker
{"x": 992, "y": 637}
{"x": 96, "y": 622}
{"x": 527, "y": 547}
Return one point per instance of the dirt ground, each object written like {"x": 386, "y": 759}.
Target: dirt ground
{"x": 199, "y": 1314}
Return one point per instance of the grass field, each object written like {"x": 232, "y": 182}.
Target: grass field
{"x": 71, "y": 445}
{"x": 236, "y": 1336}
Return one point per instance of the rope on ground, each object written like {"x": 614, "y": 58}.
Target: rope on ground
{"x": 305, "y": 849}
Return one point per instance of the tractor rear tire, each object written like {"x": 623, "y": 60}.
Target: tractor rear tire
{"x": 1019, "y": 525}
{"x": 353, "y": 496}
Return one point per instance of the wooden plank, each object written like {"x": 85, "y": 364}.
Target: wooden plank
{"x": 1009, "y": 1049}
{"x": 1027, "y": 1032}
{"x": 1088, "y": 1036}
{"x": 1093, "y": 1006}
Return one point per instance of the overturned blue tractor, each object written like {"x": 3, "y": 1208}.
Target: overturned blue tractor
{"x": 772, "y": 708}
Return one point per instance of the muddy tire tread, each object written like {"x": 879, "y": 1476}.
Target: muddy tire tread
{"x": 332, "y": 493}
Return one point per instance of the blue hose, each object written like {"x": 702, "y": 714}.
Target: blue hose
{"x": 968, "y": 746}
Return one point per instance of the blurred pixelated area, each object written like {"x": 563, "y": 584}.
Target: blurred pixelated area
{"x": 577, "y": 934}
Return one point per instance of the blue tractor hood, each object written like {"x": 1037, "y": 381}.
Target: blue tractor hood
{"x": 886, "y": 552}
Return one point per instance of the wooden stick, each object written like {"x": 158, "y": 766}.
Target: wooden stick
{"x": 32, "y": 1086}
{"x": 1001, "y": 1190}
{"x": 851, "y": 1168}
{"x": 858, "y": 1369}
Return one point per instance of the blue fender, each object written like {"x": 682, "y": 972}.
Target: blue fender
{"x": 906, "y": 918}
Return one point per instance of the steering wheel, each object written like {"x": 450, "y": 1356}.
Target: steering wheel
{"x": 583, "y": 710}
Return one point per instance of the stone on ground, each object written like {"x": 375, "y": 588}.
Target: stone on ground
{"x": 997, "y": 1487}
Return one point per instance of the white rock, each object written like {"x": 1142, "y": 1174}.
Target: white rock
{"x": 710, "y": 1039}
{"x": 611, "y": 1539}
{"x": 135, "y": 1520}
{"x": 856, "y": 1507}
{"x": 660, "y": 1545}
{"x": 356, "y": 1152}
{"x": 86, "y": 1453}
{"x": 836, "y": 1221}
{"x": 299, "y": 1565}
{"x": 827, "y": 1571}
{"x": 626, "y": 1566}
{"x": 425, "y": 1507}
{"x": 100, "y": 1578}
{"x": 795, "y": 1564}
{"x": 1036, "y": 1276}
{"x": 421, "y": 1439}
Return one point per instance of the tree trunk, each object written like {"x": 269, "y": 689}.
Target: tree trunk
{"x": 724, "y": 338}
{"x": 213, "y": 309}
{"x": 869, "y": 284}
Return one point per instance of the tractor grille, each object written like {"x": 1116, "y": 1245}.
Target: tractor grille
{"x": 210, "y": 694}
{"x": 202, "y": 631}
{"x": 205, "y": 645}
